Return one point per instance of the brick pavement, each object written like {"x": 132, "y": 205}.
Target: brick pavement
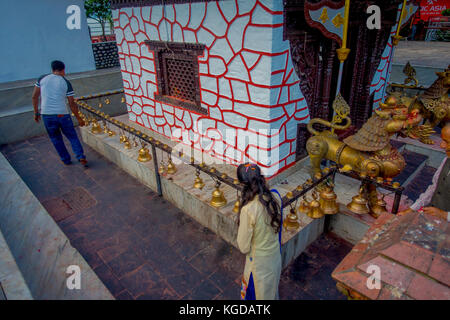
{"x": 143, "y": 247}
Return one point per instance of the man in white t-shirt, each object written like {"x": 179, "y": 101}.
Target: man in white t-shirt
{"x": 53, "y": 89}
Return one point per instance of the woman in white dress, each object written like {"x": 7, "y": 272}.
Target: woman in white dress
{"x": 258, "y": 236}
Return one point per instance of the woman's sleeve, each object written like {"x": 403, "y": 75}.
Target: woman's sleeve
{"x": 245, "y": 231}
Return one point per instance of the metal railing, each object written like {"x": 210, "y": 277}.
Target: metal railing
{"x": 214, "y": 173}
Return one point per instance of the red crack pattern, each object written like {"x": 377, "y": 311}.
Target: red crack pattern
{"x": 247, "y": 80}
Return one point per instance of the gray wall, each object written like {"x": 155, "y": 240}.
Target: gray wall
{"x": 33, "y": 33}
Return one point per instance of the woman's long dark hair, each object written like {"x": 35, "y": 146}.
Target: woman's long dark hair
{"x": 255, "y": 184}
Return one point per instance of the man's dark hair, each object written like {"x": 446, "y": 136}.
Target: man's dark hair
{"x": 58, "y": 65}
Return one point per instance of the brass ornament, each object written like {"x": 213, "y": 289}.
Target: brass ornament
{"x": 328, "y": 202}
{"x": 96, "y": 128}
{"x": 161, "y": 168}
{"x": 237, "y": 206}
{"x": 171, "y": 169}
{"x": 358, "y": 204}
{"x": 304, "y": 206}
{"x": 315, "y": 212}
{"x": 218, "y": 200}
{"x": 122, "y": 100}
{"x": 144, "y": 155}
{"x": 291, "y": 221}
{"x": 198, "y": 182}
{"x": 379, "y": 207}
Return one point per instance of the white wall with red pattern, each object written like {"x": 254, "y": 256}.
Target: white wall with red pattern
{"x": 247, "y": 81}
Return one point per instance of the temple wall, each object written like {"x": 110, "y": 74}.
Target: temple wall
{"x": 247, "y": 80}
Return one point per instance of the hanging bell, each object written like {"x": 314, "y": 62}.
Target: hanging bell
{"x": 198, "y": 183}
{"x": 127, "y": 144}
{"x": 218, "y": 199}
{"x": 122, "y": 100}
{"x": 379, "y": 207}
{"x": 161, "y": 168}
{"x": 328, "y": 202}
{"x": 304, "y": 206}
{"x": 105, "y": 129}
{"x": 358, "y": 205}
{"x": 111, "y": 133}
{"x": 96, "y": 128}
{"x": 291, "y": 221}
{"x": 315, "y": 211}
{"x": 100, "y": 104}
{"x": 144, "y": 155}
{"x": 107, "y": 101}
{"x": 171, "y": 169}
{"x": 237, "y": 206}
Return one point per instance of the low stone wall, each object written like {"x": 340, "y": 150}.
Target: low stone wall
{"x": 105, "y": 54}
{"x": 178, "y": 190}
{"x": 41, "y": 250}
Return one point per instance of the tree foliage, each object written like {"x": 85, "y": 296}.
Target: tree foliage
{"x": 100, "y": 11}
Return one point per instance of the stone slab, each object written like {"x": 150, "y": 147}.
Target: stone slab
{"x": 41, "y": 250}
{"x": 12, "y": 283}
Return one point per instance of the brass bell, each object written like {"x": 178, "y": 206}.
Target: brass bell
{"x": 198, "y": 183}
{"x": 161, "y": 168}
{"x": 122, "y": 100}
{"x": 328, "y": 202}
{"x": 111, "y": 133}
{"x": 144, "y": 155}
{"x": 171, "y": 169}
{"x": 127, "y": 144}
{"x": 96, "y": 128}
{"x": 100, "y": 104}
{"x": 358, "y": 204}
{"x": 304, "y": 206}
{"x": 315, "y": 211}
{"x": 291, "y": 221}
{"x": 218, "y": 199}
{"x": 237, "y": 206}
{"x": 122, "y": 138}
{"x": 379, "y": 207}
{"x": 107, "y": 101}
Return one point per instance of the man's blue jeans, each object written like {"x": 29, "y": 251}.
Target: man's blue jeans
{"x": 55, "y": 124}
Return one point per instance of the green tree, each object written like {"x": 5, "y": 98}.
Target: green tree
{"x": 100, "y": 11}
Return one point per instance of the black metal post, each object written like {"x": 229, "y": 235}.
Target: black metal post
{"x": 396, "y": 204}
{"x": 157, "y": 176}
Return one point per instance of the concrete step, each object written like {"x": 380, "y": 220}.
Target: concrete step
{"x": 414, "y": 163}
{"x": 420, "y": 183}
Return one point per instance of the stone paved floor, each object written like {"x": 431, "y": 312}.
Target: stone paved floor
{"x": 141, "y": 246}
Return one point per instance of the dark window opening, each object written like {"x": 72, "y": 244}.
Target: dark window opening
{"x": 177, "y": 73}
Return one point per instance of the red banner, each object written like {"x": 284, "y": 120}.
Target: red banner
{"x": 432, "y": 8}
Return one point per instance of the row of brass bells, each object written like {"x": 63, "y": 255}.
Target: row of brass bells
{"x": 218, "y": 200}
{"x": 291, "y": 221}
{"x": 328, "y": 202}
{"x": 144, "y": 155}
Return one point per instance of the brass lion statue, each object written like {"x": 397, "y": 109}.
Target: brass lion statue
{"x": 368, "y": 151}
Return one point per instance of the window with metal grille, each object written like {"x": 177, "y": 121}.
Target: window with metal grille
{"x": 177, "y": 73}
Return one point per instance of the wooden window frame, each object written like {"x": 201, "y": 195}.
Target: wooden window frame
{"x": 182, "y": 51}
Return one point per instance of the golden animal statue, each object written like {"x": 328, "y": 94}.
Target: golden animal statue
{"x": 432, "y": 106}
{"x": 368, "y": 151}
